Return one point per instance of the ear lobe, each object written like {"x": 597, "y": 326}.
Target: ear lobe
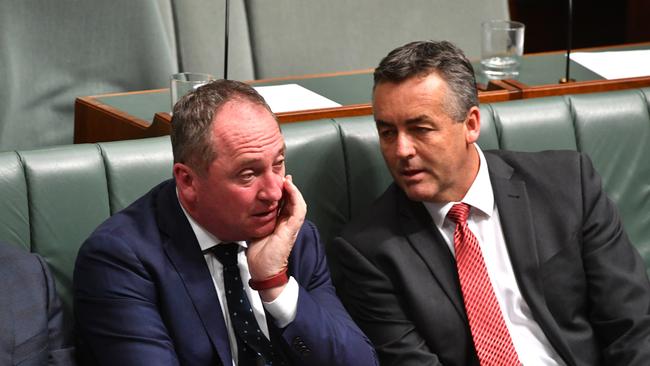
{"x": 473, "y": 125}
{"x": 185, "y": 183}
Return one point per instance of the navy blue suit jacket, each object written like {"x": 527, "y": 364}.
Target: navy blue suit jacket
{"x": 144, "y": 296}
{"x": 31, "y": 318}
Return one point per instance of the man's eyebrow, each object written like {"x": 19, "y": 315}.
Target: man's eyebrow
{"x": 410, "y": 121}
{"x": 252, "y": 161}
{"x": 418, "y": 119}
{"x": 247, "y": 162}
{"x": 381, "y": 123}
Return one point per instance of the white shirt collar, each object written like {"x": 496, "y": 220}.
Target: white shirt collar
{"x": 479, "y": 195}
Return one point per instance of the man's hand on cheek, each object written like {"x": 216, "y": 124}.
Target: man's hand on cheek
{"x": 268, "y": 256}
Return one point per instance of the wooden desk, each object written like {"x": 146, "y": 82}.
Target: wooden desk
{"x": 132, "y": 115}
{"x": 125, "y": 116}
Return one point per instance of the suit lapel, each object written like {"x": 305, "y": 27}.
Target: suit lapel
{"x": 184, "y": 252}
{"x": 517, "y": 224}
{"x": 431, "y": 247}
{"x": 516, "y": 218}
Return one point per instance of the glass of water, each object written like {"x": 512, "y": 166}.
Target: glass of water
{"x": 184, "y": 82}
{"x": 501, "y": 48}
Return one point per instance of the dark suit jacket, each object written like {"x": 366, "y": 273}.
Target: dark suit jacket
{"x": 31, "y": 318}
{"x": 585, "y": 284}
{"x": 144, "y": 296}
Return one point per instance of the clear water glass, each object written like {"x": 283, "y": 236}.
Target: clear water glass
{"x": 501, "y": 48}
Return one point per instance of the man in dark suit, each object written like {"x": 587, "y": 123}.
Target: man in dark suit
{"x": 217, "y": 266}
{"x": 31, "y": 318}
{"x": 490, "y": 258}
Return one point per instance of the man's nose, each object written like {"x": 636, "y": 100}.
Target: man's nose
{"x": 404, "y": 146}
{"x": 272, "y": 187}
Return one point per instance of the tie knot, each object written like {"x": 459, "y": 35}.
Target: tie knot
{"x": 226, "y": 253}
{"x": 459, "y": 213}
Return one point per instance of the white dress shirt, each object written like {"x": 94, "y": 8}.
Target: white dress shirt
{"x": 531, "y": 344}
{"x": 283, "y": 308}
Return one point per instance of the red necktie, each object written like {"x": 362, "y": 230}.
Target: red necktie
{"x": 491, "y": 338}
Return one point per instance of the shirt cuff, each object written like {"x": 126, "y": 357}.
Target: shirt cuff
{"x": 284, "y": 307}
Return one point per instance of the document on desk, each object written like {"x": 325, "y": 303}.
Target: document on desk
{"x": 293, "y": 97}
{"x": 615, "y": 64}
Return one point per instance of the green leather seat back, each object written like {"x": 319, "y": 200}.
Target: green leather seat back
{"x": 534, "y": 124}
{"x": 65, "y": 49}
{"x": 646, "y": 94}
{"x": 296, "y": 37}
{"x": 68, "y": 198}
{"x": 14, "y": 215}
{"x": 199, "y": 32}
{"x": 614, "y": 130}
{"x": 489, "y": 139}
{"x": 314, "y": 158}
{"x": 368, "y": 176}
{"x": 132, "y": 169}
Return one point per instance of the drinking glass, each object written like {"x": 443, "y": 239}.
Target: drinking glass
{"x": 501, "y": 48}
{"x": 184, "y": 82}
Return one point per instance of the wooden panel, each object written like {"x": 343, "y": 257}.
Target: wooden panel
{"x": 97, "y": 122}
{"x": 163, "y": 118}
{"x": 581, "y": 87}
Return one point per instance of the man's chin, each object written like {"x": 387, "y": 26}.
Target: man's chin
{"x": 417, "y": 193}
{"x": 264, "y": 230}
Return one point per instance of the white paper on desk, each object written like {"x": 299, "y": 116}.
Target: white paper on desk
{"x": 293, "y": 97}
{"x": 615, "y": 64}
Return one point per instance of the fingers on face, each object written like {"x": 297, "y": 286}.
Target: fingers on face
{"x": 293, "y": 198}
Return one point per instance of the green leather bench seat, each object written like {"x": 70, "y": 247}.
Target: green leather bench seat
{"x": 51, "y": 199}
{"x": 614, "y": 129}
{"x": 14, "y": 222}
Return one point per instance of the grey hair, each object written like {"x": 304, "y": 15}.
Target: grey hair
{"x": 422, "y": 58}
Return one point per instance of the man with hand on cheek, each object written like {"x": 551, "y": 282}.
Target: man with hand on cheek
{"x": 217, "y": 266}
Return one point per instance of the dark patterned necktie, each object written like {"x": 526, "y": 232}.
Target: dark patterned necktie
{"x": 489, "y": 332}
{"x": 253, "y": 347}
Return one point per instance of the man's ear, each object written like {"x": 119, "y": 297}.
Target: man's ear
{"x": 186, "y": 184}
{"x": 473, "y": 125}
